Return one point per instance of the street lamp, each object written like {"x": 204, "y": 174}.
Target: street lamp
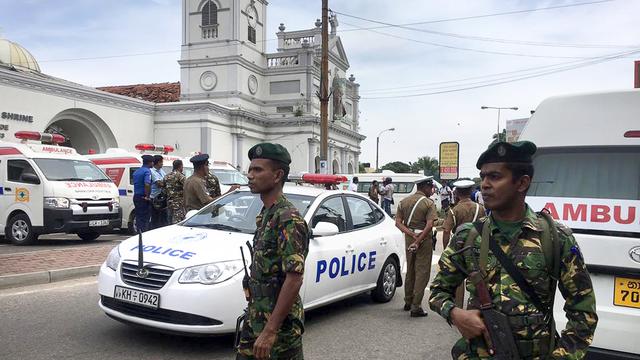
{"x": 498, "y": 108}
{"x": 378, "y": 144}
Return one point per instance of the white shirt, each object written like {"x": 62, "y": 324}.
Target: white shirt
{"x": 353, "y": 187}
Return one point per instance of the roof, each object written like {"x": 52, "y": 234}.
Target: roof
{"x": 14, "y": 55}
{"x": 158, "y": 93}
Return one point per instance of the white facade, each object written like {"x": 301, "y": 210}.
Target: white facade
{"x": 233, "y": 95}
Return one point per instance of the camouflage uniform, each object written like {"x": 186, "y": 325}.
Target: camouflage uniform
{"x": 281, "y": 244}
{"x": 213, "y": 185}
{"x": 174, "y": 187}
{"x": 463, "y": 212}
{"x": 526, "y": 251}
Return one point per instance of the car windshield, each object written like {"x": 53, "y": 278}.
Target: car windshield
{"x": 230, "y": 177}
{"x": 237, "y": 212}
{"x": 70, "y": 170}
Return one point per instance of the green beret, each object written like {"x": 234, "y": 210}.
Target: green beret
{"x": 517, "y": 152}
{"x": 271, "y": 151}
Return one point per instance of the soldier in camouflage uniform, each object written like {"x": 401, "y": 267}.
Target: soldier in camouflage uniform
{"x": 213, "y": 185}
{"x": 174, "y": 187}
{"x": 506, "y": 172}
{"x": 274, "y": 325}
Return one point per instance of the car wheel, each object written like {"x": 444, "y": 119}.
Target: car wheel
{"x": 387, "y": 280}
{"x": 132, "y": 227}
{"x": 20, "y": 231}
{"x": 88, "y": 236}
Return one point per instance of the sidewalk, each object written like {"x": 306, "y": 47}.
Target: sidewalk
{"x": 39, "y": 267}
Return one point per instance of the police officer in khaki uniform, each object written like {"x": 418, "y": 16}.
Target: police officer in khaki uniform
{"x": 195, "y": 191}
{"x": 465, "y": 211}
{"x": 414, "y": 217}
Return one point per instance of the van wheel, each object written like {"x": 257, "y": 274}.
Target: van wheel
{"x": 386, "y": 287}
{"x": 132, "y": 229}
{"x": 88, "y": 236}
{"x": 20, "y": 231}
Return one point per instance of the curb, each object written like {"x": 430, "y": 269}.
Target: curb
{"x": 47, "y": 276}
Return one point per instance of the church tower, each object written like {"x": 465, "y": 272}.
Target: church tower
{"x": 223, "y": 50}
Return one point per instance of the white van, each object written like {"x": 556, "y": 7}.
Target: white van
{"x": 403, "y": 185}
{"x": 120, "y": 164}
{"x": 52, "y": 189}
{"x": 227, "y": 175}
{"x": 587, "y": 174}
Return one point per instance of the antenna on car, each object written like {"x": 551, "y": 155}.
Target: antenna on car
{"x": 140, "y": 259}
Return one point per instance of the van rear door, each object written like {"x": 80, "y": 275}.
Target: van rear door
{"x": 596, "y": 192}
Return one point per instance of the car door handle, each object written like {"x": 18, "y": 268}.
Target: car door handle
{"x": 383, "y": 242}
{"x": 349, "y": 250}
{"x": 7, "y": 189}
{"x": 129, "y": 191}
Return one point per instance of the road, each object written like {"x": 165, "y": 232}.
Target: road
{"x": 62, "y": 321}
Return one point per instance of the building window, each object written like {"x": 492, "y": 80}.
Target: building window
{"x": 252, "y": 34}
{"x": 209, "y": 14}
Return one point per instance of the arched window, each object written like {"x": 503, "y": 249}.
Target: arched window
{"x": 209, "y": 14}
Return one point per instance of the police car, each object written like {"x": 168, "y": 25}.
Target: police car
{"x": 190, "y": 280}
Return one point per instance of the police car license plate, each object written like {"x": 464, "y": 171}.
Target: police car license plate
{"x": 98, "y": 222}
{"x": 137, "y": 297}
{"x": 626, "y": 292}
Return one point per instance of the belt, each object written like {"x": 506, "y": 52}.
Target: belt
{"x": 526, "y": 320}
{"x": 534, "y": 347}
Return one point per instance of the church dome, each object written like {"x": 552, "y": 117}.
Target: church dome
{"x": 12, "y": 54}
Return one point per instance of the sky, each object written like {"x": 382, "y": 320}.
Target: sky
{"x": 409, "y": 78}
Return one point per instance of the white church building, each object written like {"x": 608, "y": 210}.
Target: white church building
{"x": 232, "y": 94}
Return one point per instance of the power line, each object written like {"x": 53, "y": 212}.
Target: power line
{"x": 500, "y": 13}
{"x": 481, "y": 38}
{"x": 490, "y": 52}
{"x": 494, "y": 83}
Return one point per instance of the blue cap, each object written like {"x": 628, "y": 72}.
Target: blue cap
{"x": 200, "y": 158}
{"x": 147, "y": 159}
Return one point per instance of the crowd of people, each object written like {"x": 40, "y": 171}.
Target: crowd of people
{"x": 162, "y": 199}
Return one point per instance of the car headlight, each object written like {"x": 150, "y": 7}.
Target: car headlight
{"x": 113, "y": 259}
{"x": 213, "y": 273}
{"x": 56, "y": 202}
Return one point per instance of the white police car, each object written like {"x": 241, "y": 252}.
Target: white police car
{"x": 191, "y": 279}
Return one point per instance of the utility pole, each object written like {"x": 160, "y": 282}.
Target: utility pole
{"x": 324, "y": 90}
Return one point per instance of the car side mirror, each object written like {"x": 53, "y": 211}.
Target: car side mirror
{"x": 324, "y": 228}
{"x": 190, "y": 213}
{"x": 30, "y": 178}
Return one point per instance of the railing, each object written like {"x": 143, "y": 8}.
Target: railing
{"x": 283, "y": 61}
{"x": 209, "y": 31}
{"x": 297, "y": 42}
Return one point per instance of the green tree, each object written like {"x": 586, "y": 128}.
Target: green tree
{"x": 426, "y": 165}
{"x": 397, "y": 167}
{"x": 503, "y": 136}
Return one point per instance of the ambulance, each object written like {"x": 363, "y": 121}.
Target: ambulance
{"x": 227, "y": 175}
{"x": 52, "y": 189}
{"x": 587, "y": 174}
{"x": 120, "y": 164}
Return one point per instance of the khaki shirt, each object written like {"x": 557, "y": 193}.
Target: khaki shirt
{"x": 426, "y": 210}
{"x": 462, "y": 213}
{"x": 195, "y": 193}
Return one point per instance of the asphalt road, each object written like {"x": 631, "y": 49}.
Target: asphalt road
{"x": 62, "y": 321}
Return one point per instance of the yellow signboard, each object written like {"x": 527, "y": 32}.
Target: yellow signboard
{"x": 449, "y": 160}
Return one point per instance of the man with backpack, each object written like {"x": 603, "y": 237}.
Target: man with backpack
{"x": 513, "y": 260}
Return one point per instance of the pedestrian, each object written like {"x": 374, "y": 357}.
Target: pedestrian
{"x": 354, "y": 184}
{"x": 195, "y": 191}
{"x": 141, "y": 192}
{"x": 514, "y": 259}
{"x": 275, "y": 322}
{"x": 158, "y": 197}
{"x": 387, "y": 195}
{"x": 174, "y": 187}
{"x": 373, "y": 192}
{"x": 415, "y": 216}
{"x": 476, "y": 196}
{"x": 445, "y": 197}
{"x": 465, "y": 211}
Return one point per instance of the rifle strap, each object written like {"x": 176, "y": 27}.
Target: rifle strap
{"x": 516, "y": 275}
